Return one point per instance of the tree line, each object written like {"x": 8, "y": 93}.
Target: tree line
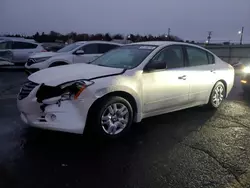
{"x": 58, "y": 37}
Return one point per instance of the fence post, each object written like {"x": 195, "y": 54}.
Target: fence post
{"x": 229, "y": 54}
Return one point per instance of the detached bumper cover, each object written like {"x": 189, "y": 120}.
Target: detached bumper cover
{"x": 65, "y": 117}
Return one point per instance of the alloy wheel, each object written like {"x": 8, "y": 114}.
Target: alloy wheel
{"x": 218, "y": 95}
{"x": 115, "y": 118}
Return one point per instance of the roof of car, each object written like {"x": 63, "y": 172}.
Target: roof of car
{"x": 17, "y": 39}
{"x": 166, "y": 43}
{"x": 158, "y": 43}
{"x": 98, "y": 41}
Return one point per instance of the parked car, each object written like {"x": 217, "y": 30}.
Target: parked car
{"x": 123, "y": 86}
{"x": 245, "y": 78}
{"x": 21, "y": 49}
{"x": 78, "y": 52}
{"x": 238, "y": 67}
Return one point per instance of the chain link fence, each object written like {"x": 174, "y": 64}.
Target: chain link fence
{"x": 232, "y": 54}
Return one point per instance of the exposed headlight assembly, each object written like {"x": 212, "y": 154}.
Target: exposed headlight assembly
{"x": 67, "y": 91}
{"x": 75, "y": 88}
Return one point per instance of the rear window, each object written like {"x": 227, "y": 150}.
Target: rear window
{"x": 211, "y": 59}
{"x": 69, "y": 47}
{"x": 23, "y": 45}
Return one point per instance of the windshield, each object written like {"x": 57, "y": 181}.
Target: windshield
{"x": 126, "y": 57}
{"x": 69, "y": 47}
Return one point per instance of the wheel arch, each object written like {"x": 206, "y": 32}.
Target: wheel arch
{"x": 225, "y": 84}
{"x": 130, "y": 98}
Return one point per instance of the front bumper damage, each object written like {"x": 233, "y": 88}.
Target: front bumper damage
{"x": 47, "y": 110}
{"x": 65, "y": 118}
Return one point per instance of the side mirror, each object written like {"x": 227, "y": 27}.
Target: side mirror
{"x": 155, "y": 65}
{"x": 79, "y": 52}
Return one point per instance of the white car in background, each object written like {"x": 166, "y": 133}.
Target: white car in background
{"x": 78, "y": 52}
{"x": 20, "y": 49}
{"x": 123, "y": 86}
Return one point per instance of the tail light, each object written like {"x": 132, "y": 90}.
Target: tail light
{"x": 44, "y": 50}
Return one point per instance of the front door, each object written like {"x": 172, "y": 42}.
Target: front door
{"x": 22, "y": 50}
{"x": 166, "y": 89}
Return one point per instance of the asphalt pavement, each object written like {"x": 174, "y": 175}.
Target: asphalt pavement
{"x": 191, "y": 148}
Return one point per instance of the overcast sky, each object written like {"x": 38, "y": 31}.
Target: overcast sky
{"x": 189, "y": 19}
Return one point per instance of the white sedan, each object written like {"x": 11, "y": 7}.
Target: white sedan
{"x": 123, "y": 86}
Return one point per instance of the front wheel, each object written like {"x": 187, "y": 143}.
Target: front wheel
{"x": 114, "y": 117}
{"x": 218, "y": 94}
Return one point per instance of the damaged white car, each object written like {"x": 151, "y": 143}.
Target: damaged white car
{"x": 124, "y": 86}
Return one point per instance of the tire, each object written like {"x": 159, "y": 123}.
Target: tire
{"x": 57, "y": 64}
{"x": 109, "y": 125}
{"x": 217, "y": 95}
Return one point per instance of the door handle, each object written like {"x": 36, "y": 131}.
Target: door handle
{"x": 184, "y": 77}
{"x": 213, "y": 71}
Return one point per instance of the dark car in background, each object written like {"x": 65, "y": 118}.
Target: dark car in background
{"x": 245, "y": 78}
{"x": 53, "y": 46}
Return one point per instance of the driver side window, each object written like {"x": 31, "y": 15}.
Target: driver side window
{"x": 90, "y": 49}
{"x": 172, "y": 56}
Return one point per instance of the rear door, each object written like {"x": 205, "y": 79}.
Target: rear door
{"x": 202, "y": 74}
{"x": 22, "y": 50}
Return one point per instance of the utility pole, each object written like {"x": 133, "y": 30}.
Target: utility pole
{"x": 209, "y": 36}
{"x": 169, "y": 32}
{"x": 241, "y": 35}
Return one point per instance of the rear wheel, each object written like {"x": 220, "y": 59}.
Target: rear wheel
{"x": 113, "y": 117}
{"x": 218, "y": 94}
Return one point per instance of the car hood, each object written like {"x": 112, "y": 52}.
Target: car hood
{"x": 58, "y": 75}
{"x": 45, "y": 54}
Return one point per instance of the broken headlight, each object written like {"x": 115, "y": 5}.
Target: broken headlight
{"x": 72, "y": 90}
{"x": 66, "y": 91}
